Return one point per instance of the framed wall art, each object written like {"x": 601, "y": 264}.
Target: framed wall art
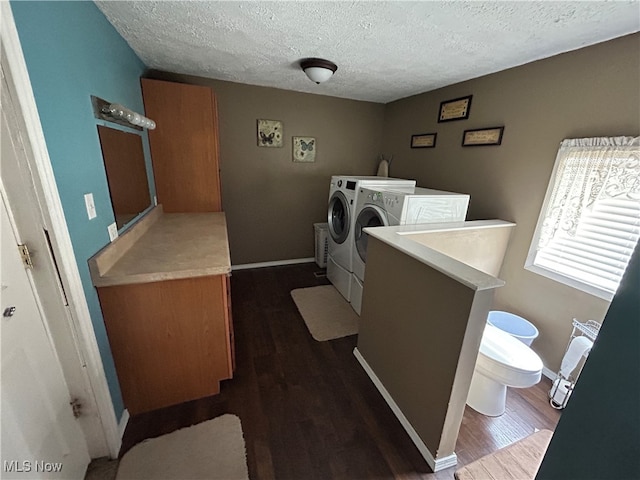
{"x": 423, "y": 140}
{"x": 304, "y": 149}
{"x": 456, "y": 109}
{"x": 269, "y": 133}
{"x": 482, "y": 137}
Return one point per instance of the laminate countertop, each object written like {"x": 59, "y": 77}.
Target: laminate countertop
{"x": 165, "y": 246}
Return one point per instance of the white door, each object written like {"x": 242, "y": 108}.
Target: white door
{"x": 40, "y": 436}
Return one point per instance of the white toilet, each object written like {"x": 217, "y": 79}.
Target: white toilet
{"x": 503, "y": 361}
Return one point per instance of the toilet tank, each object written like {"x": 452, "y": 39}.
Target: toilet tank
{"x": 516, "y": 326}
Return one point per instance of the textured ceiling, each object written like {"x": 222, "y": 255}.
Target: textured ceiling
{"x": 384, "y": 50}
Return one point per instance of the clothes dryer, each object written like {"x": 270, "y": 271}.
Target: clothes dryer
{"x": 343, "y": 196}
{"x": 388, "y": 207}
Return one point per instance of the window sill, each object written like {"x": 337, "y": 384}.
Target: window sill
{"x": 570, "y": 282}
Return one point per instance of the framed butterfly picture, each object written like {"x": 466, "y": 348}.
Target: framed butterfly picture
{"x": 304, "y": 149}
{"x": 269, "y": 133}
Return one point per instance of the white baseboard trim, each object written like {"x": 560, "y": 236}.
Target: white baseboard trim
{"x": 550, "y": 374}
{"x": 276, "y": 263}
{"x": 436, "y": 465}
{"x": 124, "y": 420}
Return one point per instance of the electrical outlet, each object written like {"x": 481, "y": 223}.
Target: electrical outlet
{"x": 91, "y": 206}
{"x": 113, "y": 231}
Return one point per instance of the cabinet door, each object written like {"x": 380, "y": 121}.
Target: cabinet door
{"x": 169, "y": 339}
{"x": 184, "y": 145}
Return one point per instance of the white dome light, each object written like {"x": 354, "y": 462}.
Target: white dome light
{"x": 317, "y": 69}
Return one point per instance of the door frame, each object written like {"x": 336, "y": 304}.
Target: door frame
{"x": 52, "y": 215}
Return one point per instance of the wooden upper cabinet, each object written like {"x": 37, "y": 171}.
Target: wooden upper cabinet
{"x": 184, "y": 145}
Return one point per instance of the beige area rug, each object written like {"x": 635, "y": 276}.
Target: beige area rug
{"x": 209, "y": 450}
{"x": 325, "y": 312}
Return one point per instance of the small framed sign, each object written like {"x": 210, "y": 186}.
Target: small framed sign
{"x": 482, "y": 137}
{"x": 423, "y": 140}
{"x": 456, "y": 109}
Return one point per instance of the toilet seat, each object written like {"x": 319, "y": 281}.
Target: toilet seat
{"x": 507, "y": 360}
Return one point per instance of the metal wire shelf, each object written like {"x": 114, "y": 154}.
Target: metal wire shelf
{"x": 590, "y": 328}
{"x": 562, "y": 386}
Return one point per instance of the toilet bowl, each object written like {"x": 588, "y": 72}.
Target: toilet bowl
{"x": 503, "y": 361}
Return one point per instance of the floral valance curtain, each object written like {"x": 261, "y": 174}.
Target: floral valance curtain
{"x": 589, "y": 169}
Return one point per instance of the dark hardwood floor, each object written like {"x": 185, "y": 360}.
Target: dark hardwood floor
{"x": 307, "y": 408}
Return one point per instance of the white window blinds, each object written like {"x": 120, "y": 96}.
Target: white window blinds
{"x": 590, "y": 221}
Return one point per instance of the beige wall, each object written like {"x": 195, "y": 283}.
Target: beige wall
{"x": 420, "y": 334}
{"x": 272, "y": 203}
{"x": 589, "y": 92}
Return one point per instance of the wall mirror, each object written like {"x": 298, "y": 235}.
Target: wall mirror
{"x": 125, "y": 165}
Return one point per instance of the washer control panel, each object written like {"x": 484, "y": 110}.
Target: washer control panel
{"x": 391, "y": 200}
{"x": 387, "y": 199}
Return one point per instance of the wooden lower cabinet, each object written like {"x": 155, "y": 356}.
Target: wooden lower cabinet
{"x": 171, "y": 340}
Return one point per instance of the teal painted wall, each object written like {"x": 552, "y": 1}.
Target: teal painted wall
{"x": 73, "y": 52}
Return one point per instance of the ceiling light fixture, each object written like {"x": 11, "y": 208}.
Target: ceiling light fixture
{"x": 317, "y": 69}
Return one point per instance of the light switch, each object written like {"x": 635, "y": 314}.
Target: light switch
{"x": 91, "y": 207}
{"x": 113, "y": 231}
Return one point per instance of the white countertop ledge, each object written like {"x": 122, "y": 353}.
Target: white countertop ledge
{"x": 399, "y": 237}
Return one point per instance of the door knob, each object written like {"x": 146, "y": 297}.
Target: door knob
{"x": 9, "y": 311}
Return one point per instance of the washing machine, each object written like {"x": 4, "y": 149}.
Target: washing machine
{"x": 343, "y": 196}
{"x": 388, "y": 207}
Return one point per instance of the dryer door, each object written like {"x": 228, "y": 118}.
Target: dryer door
{"x": 339, "y": 218}
{"x": 369, "y": 216}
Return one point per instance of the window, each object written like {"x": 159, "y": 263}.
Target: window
{"x": 590, "y": 219}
